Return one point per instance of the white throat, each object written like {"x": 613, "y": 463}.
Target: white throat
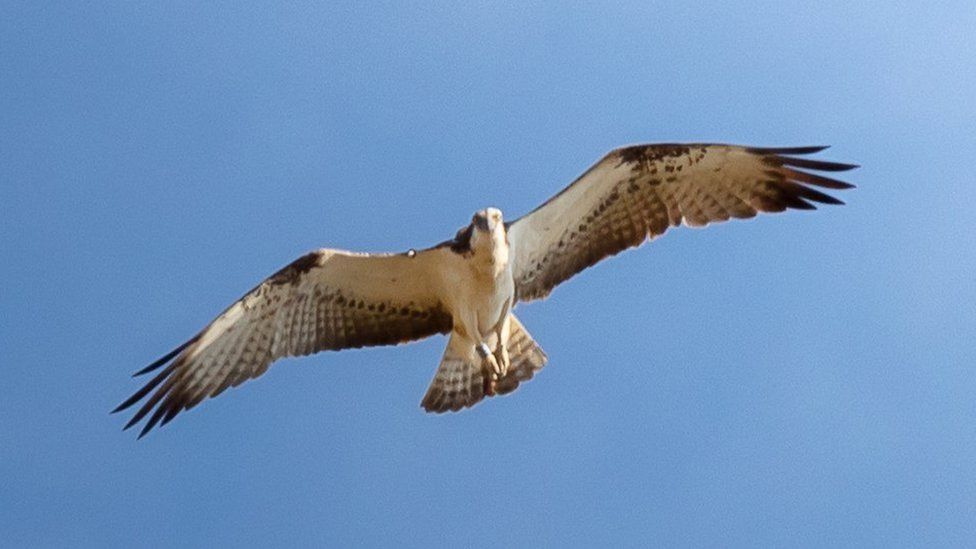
{"x": 491, "y": 252}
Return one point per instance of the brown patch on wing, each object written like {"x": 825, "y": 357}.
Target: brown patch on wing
{"x": 644, "y": 157}
{"x": 292, "y": 272}
{"x": 461, "y": 243}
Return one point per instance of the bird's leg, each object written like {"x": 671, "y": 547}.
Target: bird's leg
{"x": 501, "y": 348}
{"x": 494, "y": 364}
{"x": 503, "y": 360}
{"x": 489, "y": 365}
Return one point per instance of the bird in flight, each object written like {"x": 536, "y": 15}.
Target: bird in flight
{"x": 468, "y": 286}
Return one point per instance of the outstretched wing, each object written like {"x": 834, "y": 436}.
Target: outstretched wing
{"x": 325, "y": 300}
{"x": 635, "y": 193}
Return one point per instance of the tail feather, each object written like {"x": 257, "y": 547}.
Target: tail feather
{"x": 459, "y": 381}
{"x": 526, "y": 355}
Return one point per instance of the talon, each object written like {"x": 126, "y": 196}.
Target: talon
{"x": 493, "y": 368}
{"x": 504, "y": 362}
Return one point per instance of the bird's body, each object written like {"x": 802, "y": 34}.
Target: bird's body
{"x": 468, "y": 286}
{"x": 478, "y": 291}
{"x": 477, "y": 283}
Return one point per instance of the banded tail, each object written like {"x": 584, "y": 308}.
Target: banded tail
{"x": 459, "y": 381}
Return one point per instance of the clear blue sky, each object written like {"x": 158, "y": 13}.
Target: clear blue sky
{"x": 796, "y": 380}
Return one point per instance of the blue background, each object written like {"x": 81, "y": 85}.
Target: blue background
{"x": 803, "y": 379}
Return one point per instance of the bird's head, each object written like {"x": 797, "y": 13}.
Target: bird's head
{"x": 488, "y": 221}
{"x": 486, "y": 232}
{"x": 488, "y": 238}
{"x": 488, "y": 229}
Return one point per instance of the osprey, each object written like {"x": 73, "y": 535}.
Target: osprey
{"x": 467, "y": 286}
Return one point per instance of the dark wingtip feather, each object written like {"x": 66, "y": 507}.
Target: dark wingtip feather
{"x": 157, "y": 415}
{"x": 818, "y": 180}
{"x": 154, "y": 399}
{"x": 152, "y": 384}
{"x": 138, "y": 395}
{"x": 173, "y": 409}
{"x": 819, "y": 165}
{"x": 789, "y": 150}
{"x": 146, "y": 408}
{"x": 131, "y": 422}
{"x": 152, "y": 366}
{"x": 810, "y": 194}
{"x": 816, "y": 196}
{"x": 169, "y": 356}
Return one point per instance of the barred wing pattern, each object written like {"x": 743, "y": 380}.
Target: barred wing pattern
{"x": 325, "y": 300}
{"x": 636, "y": 193}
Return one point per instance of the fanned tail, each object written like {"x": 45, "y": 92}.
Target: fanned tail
{"x": 460, "y": 383}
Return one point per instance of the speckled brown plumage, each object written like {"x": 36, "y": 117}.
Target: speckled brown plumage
{"x": 294, "y": 312}
{"x": 636, "y": 193}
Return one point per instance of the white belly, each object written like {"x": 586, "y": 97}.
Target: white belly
{"x": 478, "y": 302}
{"x": 495, "y": 304}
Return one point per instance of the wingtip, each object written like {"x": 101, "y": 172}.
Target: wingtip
{"x": 148, "y": 427}
{"x": 127, "y": 403}
{"x": 146, "y": 370}
{"x": 810, "y": 164}
{"x": 144, "y": 432}
{"x": 167, "y": 357}
{"x": 159, "y": 363}
{"x": 812, "y": 149}
{"x": 842, "y": 166}
{"x": 809, "y": 149}
{"x": 171, "y": 413}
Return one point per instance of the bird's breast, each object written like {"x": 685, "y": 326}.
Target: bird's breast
{"x": 494, "y": 301}
{"x": 480, "y": 294}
